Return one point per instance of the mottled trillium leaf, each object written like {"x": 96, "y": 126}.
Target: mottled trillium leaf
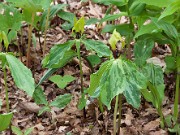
{"x": 116, "y": 77}
{"x": 155, "y": 75}
{"x": 96, "y": 77}
{"x": 94, "y": 59}
{"x": 21, "y": 74}
{"x": 39, "y": 96}
{"x": 61, "y": 101}
{"x": 5, "y": 120}
{"x": 62, "y": 81}
{"x": 99, "y": 47}
{"x": 143, "y": 51}
{"x": 57, "y": 52}
{"x": 44, "y": 109}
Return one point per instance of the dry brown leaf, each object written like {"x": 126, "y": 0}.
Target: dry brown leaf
{"x": 29, "y": 106}
{"x": 151, "y": 125}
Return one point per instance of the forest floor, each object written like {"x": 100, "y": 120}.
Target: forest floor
{"x": 70, "y": 120}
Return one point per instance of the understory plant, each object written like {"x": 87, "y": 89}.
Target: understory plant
{"x": 149, "y": 22}
{"x": 23, "y": 79}
{"x": 116, "y": 77}
{"x": 62, "y": 53}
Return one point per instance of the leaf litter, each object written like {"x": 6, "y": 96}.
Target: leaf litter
{"x": 143, "y": 121}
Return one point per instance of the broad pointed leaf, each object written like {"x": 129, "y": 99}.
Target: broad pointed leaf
{"x": 100, "y": 48}
{"x": 96, "y": 77}
{"x": 61, "y": 101}
{"x": 143, "y": 51}
{"x": 123, "y": 76}
{"x": 5, "y": 120}
{"x": 58, "y": 51}
{"x": 39, "y": 96}
{"x": 171, "y": 9}
{"x": 158, "y": 3}
{"x": 110, "y": 17}
{"x": 21, "y": 75}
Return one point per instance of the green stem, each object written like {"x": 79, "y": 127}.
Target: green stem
{"x": 120, "y": 112}
{"x": 78, "y": 44}
{"x": 29, "y": 40}
{"x": 176, "y": 100}
{"x": 159, "y": 109}
{"x": 100, "y": 105}
{"x": 6, "y": 90}
{"x": 115, "y": 115}
{"x": 45, "y": 32}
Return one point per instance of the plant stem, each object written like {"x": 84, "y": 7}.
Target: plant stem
{"x": 0, "y": 47}
{"x": 78, "y": 44}
{"x": 39, "y": 38}
{"x": 45, "y": 32}
{"x": 115, "y": 115}
{"x": 176, "y": 100}
{"x": 29, "y": 40}
{"x": 120, "y": 108}
{"x": 6, "y": 90}
{"x": 100, "y": 105}
{"x": 159, "y": 109}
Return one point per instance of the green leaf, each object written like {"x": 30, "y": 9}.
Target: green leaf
{"x": 21, "y": 75}
{"x": 28, "y": 131}
{"x": 122, "y": 77}
{"x": 114, "y": 2}
{"x": 171, "y": 8}
{"x": 167, "y": 28}
{"x": 39, "y": 96}
{"x": 92, "y": 21}
{"x": 96, "y": 77}
{"x": 57, "y": 52}
{"x": 94, "y": 59}
{"x": 68, "y": 56}
{"x": 143, "y": 51}
{"x": 10, "y": 21}
{"x": 62, "y": 81}
{"x": 5, "y": 120}
{"x": 136, "y": 8}
{"x": 67, "y": 16}
{"x": 31, "y": 5}
{"x": 44, "y": 109}
{"x": 146, "y": 29}
{"x": 170, "y": 63}
{"x": 61, "y": 101}
{"x": 115, "y": 37}
{"x": 155, "y": 76}
{"x": 123, "y": 29}
{"x": 16, "y": 130}
{"x": 3, "y": 37}
{"x": 3, "y": 59}
{"x": 110, "y": 17}
{"x": 79, "y": 26}
{"x": 159, "y": 3}
{"x": 100, "y": 48}
{"x": 54, "y": 9}
{"x": 48, "y": 73}
{"x": 82, "y": 102}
